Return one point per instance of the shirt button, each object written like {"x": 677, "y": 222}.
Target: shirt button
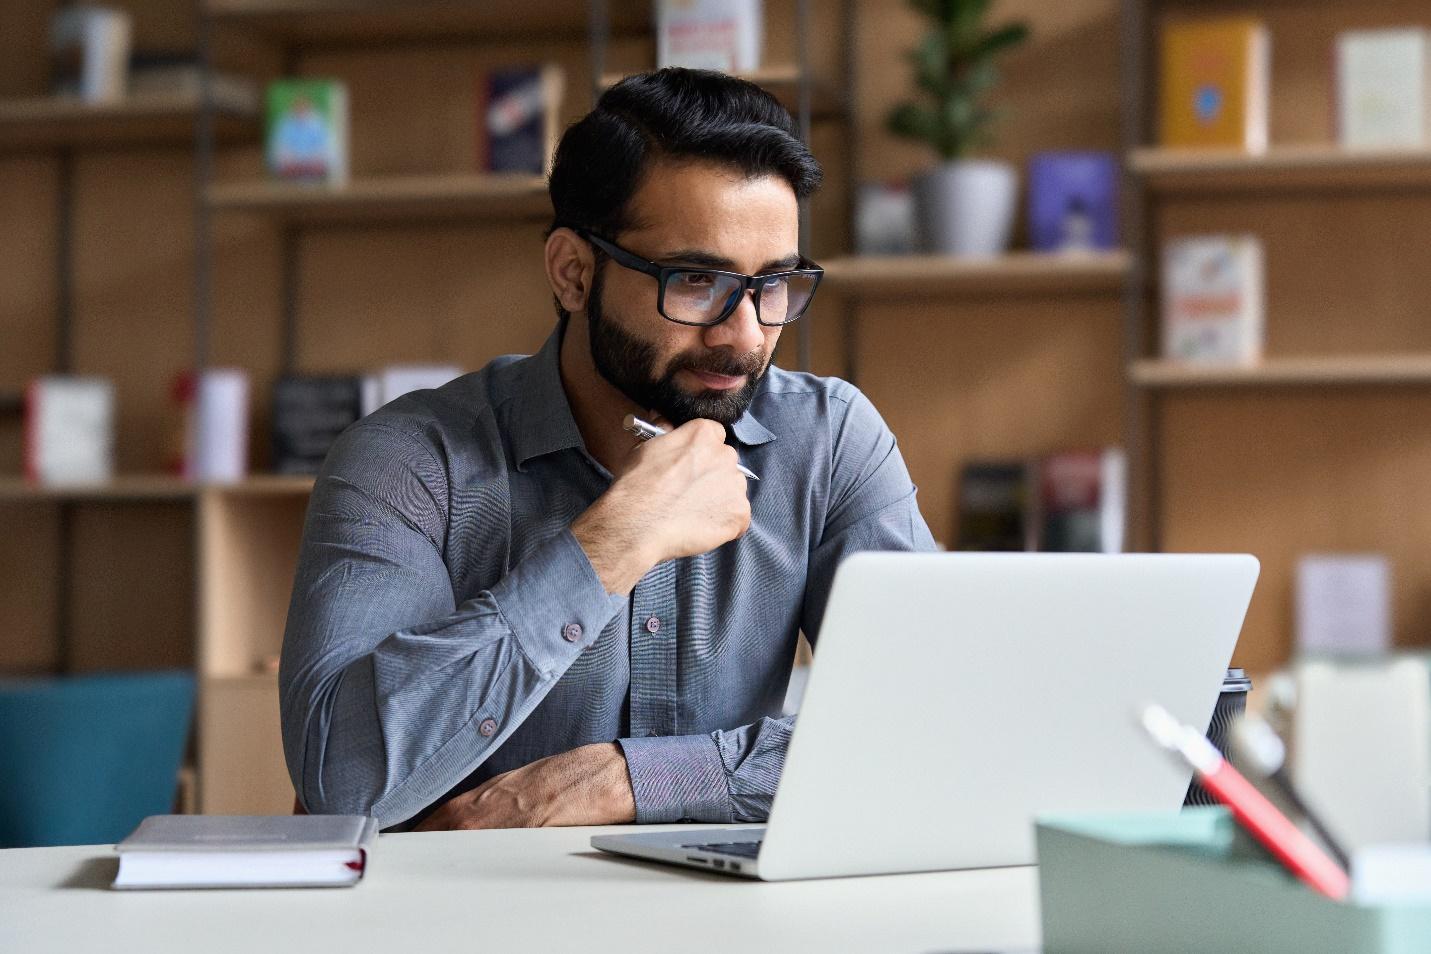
{"x": 653, "y": 624}
{"x": 571, "y": 632}
{"x": 488, "y": 728}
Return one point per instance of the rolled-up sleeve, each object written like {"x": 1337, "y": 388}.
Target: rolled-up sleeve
{"x": 390, "y": 691}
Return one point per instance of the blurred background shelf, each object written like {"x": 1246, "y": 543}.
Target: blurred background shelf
{"x": 914, "y": 276}
{"x": 1338, "y": 371}
{"x": 1282, "y": 167}
{"x": 139, "y": 487}
{"x": 409, "y": 198}
{"x": 44, "y": 121}
{"x": 354, "y": 22}
{"x": 781, "y": 80}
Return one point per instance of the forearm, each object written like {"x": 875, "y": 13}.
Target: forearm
{"x": 391, "y": 729}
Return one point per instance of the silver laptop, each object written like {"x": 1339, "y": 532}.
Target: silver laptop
{"x": 958, "y": 695}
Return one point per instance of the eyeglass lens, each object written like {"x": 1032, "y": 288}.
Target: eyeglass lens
{"x": 699, "y": 297}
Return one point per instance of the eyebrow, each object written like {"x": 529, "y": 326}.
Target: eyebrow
{"x": 704, "y": 259}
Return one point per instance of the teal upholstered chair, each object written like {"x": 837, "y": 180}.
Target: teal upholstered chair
{"x": 84, "y": 758}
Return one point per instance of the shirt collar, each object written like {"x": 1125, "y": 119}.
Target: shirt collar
{"x": 541, "y": 415}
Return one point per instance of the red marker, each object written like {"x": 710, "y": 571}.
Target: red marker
{"x": 1272, "y": 829}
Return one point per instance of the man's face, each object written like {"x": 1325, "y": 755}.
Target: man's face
{"x": 703, "y": 215}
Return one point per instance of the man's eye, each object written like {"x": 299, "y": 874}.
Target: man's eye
{"x": 696, "y": 279}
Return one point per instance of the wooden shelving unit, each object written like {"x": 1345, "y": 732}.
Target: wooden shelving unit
{"x": 365, "y": 22}
{"x": 1313, "y": 166}
{"x": 57, "y": 121}
{"x": 781, "y": 80}
{"x": 1308, "y": 372}
{"x": 918, "y": 276}
{"x": 142, "y": 487}
{"x": 411, "y": 198}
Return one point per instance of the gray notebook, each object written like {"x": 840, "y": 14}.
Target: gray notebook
{"x": 245, "y": 851}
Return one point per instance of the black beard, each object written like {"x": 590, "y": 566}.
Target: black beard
{"x": 629, "y": 365}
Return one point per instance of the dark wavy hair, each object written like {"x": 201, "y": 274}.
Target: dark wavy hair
{"x": 672, "y": 113}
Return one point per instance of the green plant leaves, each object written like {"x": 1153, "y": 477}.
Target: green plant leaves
{"x": 954, "y": 69}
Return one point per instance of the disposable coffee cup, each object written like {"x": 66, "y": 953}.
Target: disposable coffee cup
{"x": 1231, "y": 703}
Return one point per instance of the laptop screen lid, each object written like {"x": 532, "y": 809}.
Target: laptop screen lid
{"x": 957, "y": 695}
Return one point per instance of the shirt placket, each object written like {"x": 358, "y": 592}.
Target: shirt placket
{"x": 653, "y": 653}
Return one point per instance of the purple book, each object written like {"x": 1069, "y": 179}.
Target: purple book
{"x": 1073, "y": 201}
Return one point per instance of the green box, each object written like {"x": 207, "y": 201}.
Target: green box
{"x": 1194, "y": 881}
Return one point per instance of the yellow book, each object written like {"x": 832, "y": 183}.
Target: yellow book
{"x": 1214, "y": 84}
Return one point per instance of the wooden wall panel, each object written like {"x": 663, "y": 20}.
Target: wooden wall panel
{"x": 134, "y": 289}
{"x": 29, "y": 588}
{"x": 1287, "y": 473}
{"x": 132, "y": 586}
{"x": 996, "y": 377}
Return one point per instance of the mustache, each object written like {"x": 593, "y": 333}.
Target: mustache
{"x": 721, "y": 363}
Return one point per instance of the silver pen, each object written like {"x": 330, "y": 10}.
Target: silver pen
{"x": 645, "y": 430}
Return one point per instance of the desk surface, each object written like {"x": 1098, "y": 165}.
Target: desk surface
{"x": 533, "y": 890}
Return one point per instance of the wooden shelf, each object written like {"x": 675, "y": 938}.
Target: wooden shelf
{"x": 455, "y": 196}
{"x": 782, "y": 81}
{"x": 1284, "y": 167}
{"x": 138, "y": 487}
{"x": 1351, "y": 371}
{"x": 267, "y": 485}
{"x": 355, "y": 22}
{"x": 919, "y": 276}
{"x": 47, "y": 121}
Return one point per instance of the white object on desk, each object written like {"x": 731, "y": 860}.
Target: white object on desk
{"x": 1361, "y": 744}
{"x": 1392, "y": 874}
{"x": 518, "y": 890}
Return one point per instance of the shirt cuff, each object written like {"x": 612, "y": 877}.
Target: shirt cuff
{"x": 555, "y": 603}
{"x": 677, "y": 778}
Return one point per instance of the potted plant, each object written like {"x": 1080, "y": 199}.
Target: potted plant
{"x": 963, "y": 206}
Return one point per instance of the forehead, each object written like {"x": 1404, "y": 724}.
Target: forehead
{"x": 695, "y": 204}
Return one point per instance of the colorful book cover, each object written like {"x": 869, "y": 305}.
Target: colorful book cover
{"x": 1383, "y": 88}
{"x": 307, "y": 131}
{"x": 1214, "y": 83}
{"x": 1213, "y": 299}
{"x": 1082, "y": 501}
{"x": 721, "y": 35}
{"x": 521, "y": 110}
{"x": 1073, "y": 201}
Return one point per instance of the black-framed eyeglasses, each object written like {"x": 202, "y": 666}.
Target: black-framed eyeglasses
{"x": 708, "y": 296}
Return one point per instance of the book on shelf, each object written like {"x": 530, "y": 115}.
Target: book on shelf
{"x": 1383, "y": 88}
{"x": 1212, "y": 299}
{"x": 1082, "y": 501}
{"x": 884, "y": 218}
{"x": 245, "y": 851}
{"x": 710, "y": 34}
{"x": 393, "y": 381}
{"x": 306, "y": 133}
{"x": 309, "y": 412}
{"x": 1215, "y": 76}
{"x": 1073, "y": 201}
{"x": 994, "y": 507}
{"x": 214, "y": 406}
{"x": 165, "y": 74}
{"x": 1072, "y": 501}
{"x": 69, "y": 429}
{"x": 520, "y": 118}
{"x": 89, "y": 50}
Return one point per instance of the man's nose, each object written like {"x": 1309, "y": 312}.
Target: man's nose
{"x": 740, "y": 331}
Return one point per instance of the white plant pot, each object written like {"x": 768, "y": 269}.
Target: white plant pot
{"x": 966, "y": 207}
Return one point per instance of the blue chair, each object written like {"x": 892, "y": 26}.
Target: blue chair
{"x": 84, "y": 758}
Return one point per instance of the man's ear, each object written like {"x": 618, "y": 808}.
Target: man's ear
{"x": 571, "y": 266}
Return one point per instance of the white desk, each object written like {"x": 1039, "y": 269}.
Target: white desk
{"x": 520, "y": 891}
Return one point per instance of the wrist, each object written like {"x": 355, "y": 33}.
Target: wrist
{"x": 618, "y": 550}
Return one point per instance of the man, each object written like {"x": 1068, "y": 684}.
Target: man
{"x": 508, "y": 613}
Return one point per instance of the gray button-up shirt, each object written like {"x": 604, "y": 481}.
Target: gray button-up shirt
{"x": 447, "y": 627}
